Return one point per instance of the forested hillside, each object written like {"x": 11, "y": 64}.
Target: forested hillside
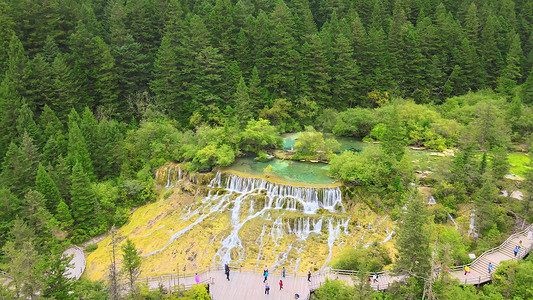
{"x": 95, "y": 95}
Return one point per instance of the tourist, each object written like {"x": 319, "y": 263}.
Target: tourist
{"x": 490, "y": 267}
{"x": 283, "y": 272}
{"x": 196, "y": 278}
{"x": 267, "y": 289}
{"x": 467, "y": 270}
{"x": 309, "y": 276}
{"x": 516, "y": 249}
{"x": 226, "y": 269}
{"x": 266, "y": 276}
{"x": 280, "y": 284}
{"x": 265, "y": 270}
{"x": 375, "y": 278}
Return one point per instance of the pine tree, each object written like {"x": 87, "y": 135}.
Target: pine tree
{"x": 47, "y": 187}
{"x": 221, "y": 25}
{"x": 511, "y": 74}
{"x": 393, "y": 138}
{"x": 61, "y": 175}
{"x": 131, "y": 264}
{"x": 490, "y": 53}
{"x": 39, "y": 218}
{"x": 485, "y": 201}
{"x": 413, "y": 240}
{"x": 78, "y": 152}
{"x": 500, "y": 165}
{"x": 26, "y": 123}
{"x": 57, "y": 285}
{"x": 23, "y": 262}
{"x": 10, "y": 92}
{"x": 345, "y": 81}
{"x": 255, "y": 91}
{"x": 132, "y": 65}
{"x": 315, "y": 70}
{"x": 64, "y": 216}
{"x": 472, "y": 24}
{"x": 82, "y": 199}
{"x": 9, "y": 209}
{"x": 241, "y": 98}
{"x": 527, "y": 89}
{"x": 20, "y": 166}
{"x": 68, "y": 88}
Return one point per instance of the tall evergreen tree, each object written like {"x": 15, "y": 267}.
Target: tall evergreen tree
{"x": 78, "y": 152}
{"x": 315, "y": 70}
{"x": 131, "y": 264}
{"x": 47, "y": 187}
{"x": 83, "y": 200}
{"x": 345, "y": 81}
{"x": 10, "y": 92}
{"x": 527, "y": 89}
{"x": 20, "y": 166}
{"x": 490, "y": 53}
{"x": 413, "y": 240}
{"x": 511, "y": 73}
{"x": 23, "y": 262}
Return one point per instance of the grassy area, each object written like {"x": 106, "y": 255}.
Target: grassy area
{"x": 519, "y": 163}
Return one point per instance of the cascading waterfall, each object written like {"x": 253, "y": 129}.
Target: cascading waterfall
{"x": 220, "y": 205}
{"x": 171, "y": 181}
{"x": 453, "y": 221}
{"x": 261, "y": 242}
{"x": 311, "y": 199}
{"x": 276, "y": 231}
{"x": 241, "y": 191}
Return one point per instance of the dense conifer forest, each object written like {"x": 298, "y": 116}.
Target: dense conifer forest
{"x": 95, "y": 95}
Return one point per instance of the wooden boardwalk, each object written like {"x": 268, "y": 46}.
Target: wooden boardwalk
{"x": 247, "y": 283}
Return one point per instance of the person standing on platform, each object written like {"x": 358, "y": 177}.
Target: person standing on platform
{"x": 267, "y": 289}
{"x": 226, "y": 269}
{"x": 196, "y": 278}
{"x": 491, "y": 266}
{"x": 266, "y": 276}
{"x": 280, "y": 284}
{"x": 283, "y": 272}
{"x": 309, "y": 276}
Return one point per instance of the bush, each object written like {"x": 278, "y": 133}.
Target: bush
{"x": 91, "y": 247}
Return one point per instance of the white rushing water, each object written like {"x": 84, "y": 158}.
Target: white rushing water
{"x": 453, "y": 221}
{"x": 242, "y": 191}
{"x": 220, "y": 203}
{"x": 283, "y": 196}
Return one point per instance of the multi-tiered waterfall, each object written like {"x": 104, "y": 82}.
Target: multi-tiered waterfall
{"x": 213, "y": 219}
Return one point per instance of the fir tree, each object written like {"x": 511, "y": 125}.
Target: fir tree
{"x": 413, "y": 240}
{"x": 131, "y": 264}
{"x": 78, "y": 151}
{"x": 47, "y": 187}
{"x": 82, "y": 199}
{"x": 23, "y": 262}
{"x": 64, "y": 216}
{"x": 511, "y": 74}
{"x": 20, "y": 166}
{"x": 527, "y": 89}
{"x": 57, "y": 285}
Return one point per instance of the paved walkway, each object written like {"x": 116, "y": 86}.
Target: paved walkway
{"x": 247, "y": 283}
{"x": 77, "y": 264}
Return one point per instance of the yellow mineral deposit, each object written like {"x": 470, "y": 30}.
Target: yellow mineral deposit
{"x": 197, "y": 225}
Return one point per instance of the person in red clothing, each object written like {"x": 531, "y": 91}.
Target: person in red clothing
{"x": 280, "y": 284}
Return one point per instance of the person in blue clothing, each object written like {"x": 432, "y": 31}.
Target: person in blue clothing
{"x": 266, "y": 276}
{"x": 267, "y": 289}
{"x": 516, "y": 249}
{"x": 283, "y": 272}
{"x": 491, "y": 266}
